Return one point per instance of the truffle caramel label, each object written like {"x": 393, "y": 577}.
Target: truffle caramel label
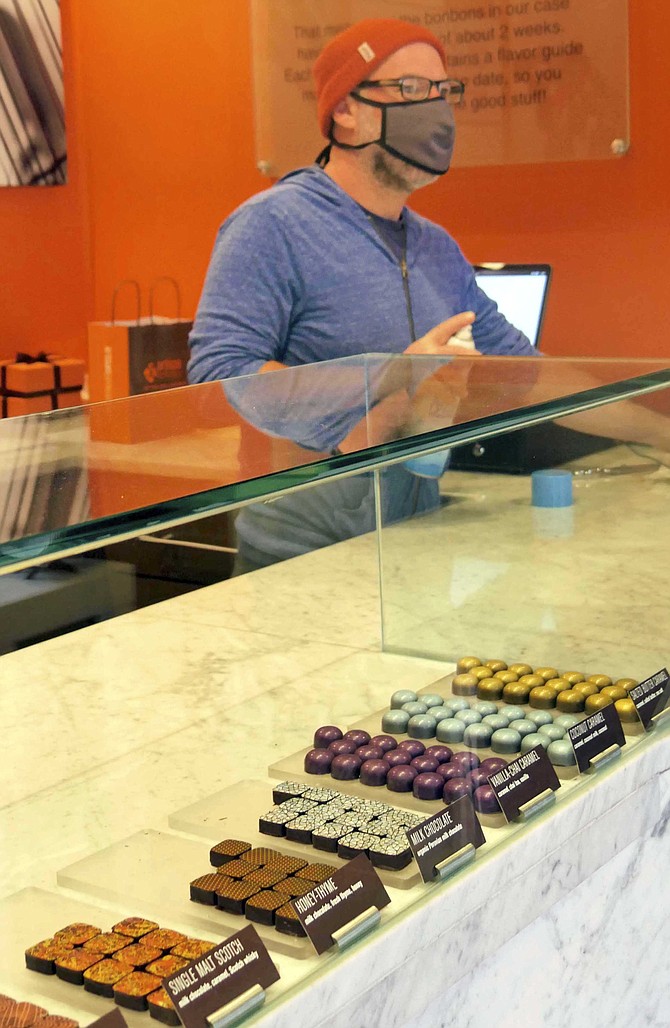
{"x": 523, "y": 780}
{"x": 332, "y": 904}
{"x": 444, "y": 834}
{"x": 216, "y": 978}
{"x": 596, "y": 734}
{"x": 651, "y": 696}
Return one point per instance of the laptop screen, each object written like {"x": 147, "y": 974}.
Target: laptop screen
{"x": 520, "y": 291}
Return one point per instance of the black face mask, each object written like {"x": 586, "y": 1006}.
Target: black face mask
{"x": 419, "y": 132}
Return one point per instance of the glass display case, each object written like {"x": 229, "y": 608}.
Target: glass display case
{"x": 487, "y": 511}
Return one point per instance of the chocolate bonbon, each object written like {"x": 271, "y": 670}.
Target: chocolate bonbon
{"x": 325, "y": 735}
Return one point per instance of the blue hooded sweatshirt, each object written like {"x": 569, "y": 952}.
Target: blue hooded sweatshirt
{"x": 300, "y": 274}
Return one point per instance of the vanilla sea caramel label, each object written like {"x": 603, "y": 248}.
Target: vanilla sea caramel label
{"x": 332, "y": 904}
{"x": 523, "y": 780}
{"x": 443, "y": 834}
{"x": 219, "y": 976}
{"x": 651, "y": 696}
{"x": 596, "y": 734}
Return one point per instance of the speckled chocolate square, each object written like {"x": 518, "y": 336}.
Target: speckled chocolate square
{"x": 342, "y": 803}
{"x": 106, "y": 943}
{"x": 355, "y": 819}
{"x": 77, "y": 934}
{"x": 42, "y": 955}
{"x": 163, "y": 938}
{"x": 138, "y": 954}
{"x": 132, "y": 991}
{"x": 70, "y": 966}
{"x": 192, "y": 948}
{"x": 135, "y": 927}
{"x": 101, "y": 978}
{"x": 162, "y": 1008}
{"x": 228, "y": 849}
{"x": 166, "y": 965}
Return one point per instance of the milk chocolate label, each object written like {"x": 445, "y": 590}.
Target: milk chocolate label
{"x": 651, "y": 696}
{"x": 220, "y": 976}
{"x": 596, "y": 734}
{"x": 337, "y": 901}
{"x": 523, "y": 780}
{"x": 444, "y": 834}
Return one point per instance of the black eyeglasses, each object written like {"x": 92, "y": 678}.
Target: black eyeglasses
{"x": 415, "y": 87}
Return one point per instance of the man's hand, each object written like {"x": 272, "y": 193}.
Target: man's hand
{"x": 436, "y": 342}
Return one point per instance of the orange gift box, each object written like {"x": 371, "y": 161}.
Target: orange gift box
{"x": 31, "y": 385}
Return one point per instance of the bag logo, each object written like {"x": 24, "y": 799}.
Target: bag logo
{"x": 164, "y": 371}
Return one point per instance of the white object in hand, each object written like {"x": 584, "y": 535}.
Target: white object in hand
{"x": 463, "y": 338}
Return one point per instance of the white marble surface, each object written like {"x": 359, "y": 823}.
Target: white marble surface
{"x": 108, "y": 731}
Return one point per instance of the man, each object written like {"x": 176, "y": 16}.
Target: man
{"x": 330, "y": 262}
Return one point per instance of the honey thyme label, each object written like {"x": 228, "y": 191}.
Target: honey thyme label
{"x": 443, "y": 834}
{"x": 651, "y": 696}
{"x": 338, "y": 900}
{"x": 219, "y": 976}
{"x": 523, "y": 780}
{"x": 596, "y": 734}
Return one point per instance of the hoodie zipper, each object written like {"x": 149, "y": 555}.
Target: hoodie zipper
{"x": 404, "y": 271}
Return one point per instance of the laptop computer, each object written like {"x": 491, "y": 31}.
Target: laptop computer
{"x": 521, "y": 292}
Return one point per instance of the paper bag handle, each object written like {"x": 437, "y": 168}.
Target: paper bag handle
{"x": 136, "y": 286}
{"x": 152, "y": 291}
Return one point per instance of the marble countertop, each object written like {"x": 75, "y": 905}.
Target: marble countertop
{"x": 109, "y": 730}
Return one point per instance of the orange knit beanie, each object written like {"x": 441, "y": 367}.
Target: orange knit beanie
{"x": 355, "y": 53}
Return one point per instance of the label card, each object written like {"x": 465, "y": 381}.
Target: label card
{"x": 220, "y": 976}
{"x": 114, "y": 1019}
{"x": 522, "y": 780}
{"x": 651, "y": 696}
{"x": 332, "y": 904}
{"x": 443, "y": 834}
{"x": 595, "y": 734}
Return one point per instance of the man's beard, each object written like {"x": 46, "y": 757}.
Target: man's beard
{"x": 396, "y": 174}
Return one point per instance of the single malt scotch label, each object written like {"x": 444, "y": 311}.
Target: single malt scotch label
{"x": 218, "y": 977}
{"x": 524, "y": 780}
{"x": 651, "y": 696}
{"x": 595, "y": 734}
{"x": 444, "y": 834}
{"x": 336, "y": 902}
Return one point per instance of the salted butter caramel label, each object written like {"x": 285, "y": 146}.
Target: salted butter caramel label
{"x": 443, "y": 834}
{"x": 334, "y": 903}
{"x": 595, "y": 734}
{"x": 218, "y": 977}
{"x": 523, "y": 780}
{"x": 651, "y": 696}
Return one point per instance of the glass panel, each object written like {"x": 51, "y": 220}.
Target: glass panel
{"x": 490, "y": 572}
{"x": 78, "y": 477}
{"x": 546, "y": 80}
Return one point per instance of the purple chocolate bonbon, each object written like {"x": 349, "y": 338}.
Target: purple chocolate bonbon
{"x": 493, "y": 764}
{"x": 396, "y": 757}
{"x": 369, "y": 752}
{"x": 342, "y": 746}
{"x": 358, "y": 736}
{"x": 477, "y": 777}
{"x": 345, "y": 767}
{"x": 401, "y": 778}
{"x": 485, "y": 800}
{"x": 374, "y": 772}
{"x": 428, "y": 786}
{"x": 450, "y": 770}
{"x": 318, "y": 762}
{"x": 454, "y": 789}
{"x": 424, "y": 763}
{"x": 384, "y": 742}
{"x": 467, "y": 759}
{"x": 413, "y": 747}
{"x": 325, "y": 735}
{"x": 443, "y": 753}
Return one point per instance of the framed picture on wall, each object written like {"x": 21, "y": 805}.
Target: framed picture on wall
{"x": 32, "y": 122}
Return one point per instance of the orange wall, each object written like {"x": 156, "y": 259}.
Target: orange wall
{"x": 161, "y": 142}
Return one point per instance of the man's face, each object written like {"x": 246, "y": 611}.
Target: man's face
{"x": 392, "y": 172}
